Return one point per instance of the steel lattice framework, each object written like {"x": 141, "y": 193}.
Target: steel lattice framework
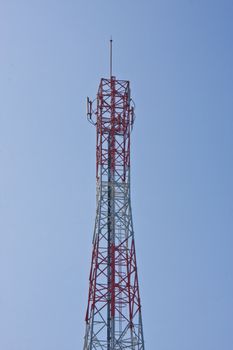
{"x": 113, "y": 317}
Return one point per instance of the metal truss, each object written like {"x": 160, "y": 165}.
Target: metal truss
{"x": 113, "y": 317}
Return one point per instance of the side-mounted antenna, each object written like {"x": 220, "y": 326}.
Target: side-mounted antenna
{"x": 89, "y": 108}
{"x": 132, "y": 113}
{"x": 89, "y": 111}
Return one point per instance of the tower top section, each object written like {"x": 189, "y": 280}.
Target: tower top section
{"x": 112, "y": 113}
{"x": 113, "y": 100}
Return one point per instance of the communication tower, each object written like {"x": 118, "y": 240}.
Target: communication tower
{"x": 113, "y": 317}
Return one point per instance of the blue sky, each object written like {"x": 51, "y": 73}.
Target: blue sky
{"x": 178, "y": 56}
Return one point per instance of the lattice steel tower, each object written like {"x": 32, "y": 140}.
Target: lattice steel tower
{"x": 113, "y": 317}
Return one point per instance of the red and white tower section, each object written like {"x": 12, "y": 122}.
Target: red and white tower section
{"x": 113, "y": 317}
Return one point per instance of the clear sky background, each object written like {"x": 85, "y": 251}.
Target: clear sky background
{"x": 178, "y": 56}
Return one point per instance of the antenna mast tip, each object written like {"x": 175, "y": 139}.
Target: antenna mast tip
{"x": 111, "y": 57}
